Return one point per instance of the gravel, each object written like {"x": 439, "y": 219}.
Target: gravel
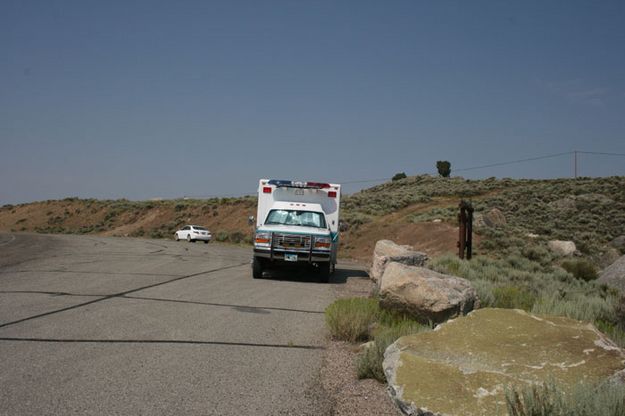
{"x": 350, "y": 395}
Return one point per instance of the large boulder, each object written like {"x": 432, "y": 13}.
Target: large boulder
{"x": 493, "y": 218}
{"x": 619, "y": 243}
{"x": 562, "y": 248}
{"x": 608, "y": 257}
{"x": 564, "y": 204}
{"x": 425, "y": 294}
{"x": 387, "y": 251}
{"x": 464, "y": 366}
{"x": 614, "y": 275}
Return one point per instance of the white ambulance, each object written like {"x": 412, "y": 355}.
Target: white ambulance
{"x": 297, "y": 223}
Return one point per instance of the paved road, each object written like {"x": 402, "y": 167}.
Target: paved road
{"x": 106, "y": 326}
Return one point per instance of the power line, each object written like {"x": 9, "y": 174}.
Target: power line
{"x": 366, "y": 180}
{"x": 514, "y": 161}
{"x": 491, "y": 165}
{"x": 600, "y": 153}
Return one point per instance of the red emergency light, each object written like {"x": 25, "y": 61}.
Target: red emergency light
{"x": 332, "y": 194}
{"x": 266, "y": 189}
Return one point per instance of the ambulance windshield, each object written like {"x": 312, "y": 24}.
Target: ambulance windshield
{"x": 295, "y": 217}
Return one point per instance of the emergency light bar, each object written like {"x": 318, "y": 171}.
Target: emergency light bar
{"x": 293, "y": 184}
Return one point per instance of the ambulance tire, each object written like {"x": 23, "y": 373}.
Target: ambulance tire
{"x": 324, "y": 272}
{"x": 257, "y": 268}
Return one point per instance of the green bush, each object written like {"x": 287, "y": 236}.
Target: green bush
{"x": 584, "y": 306}
{"x": 613, "y": 331}
{"x": 350, "y": 319}
{"x": 157, "y": 234}
{"x": 513, "y": 297}
{"x": 581, "y": 269}
{"x": 444, "y": 168}
{"x": 399, "y": 176}
{"x": 369, "y": 364}
{"x": 518, "y": 282}
{"x": 537, "y": 253}
{"x": 606, "y": 399}
{"x": 221, "y": 236}
{"x": 237, "y": 237}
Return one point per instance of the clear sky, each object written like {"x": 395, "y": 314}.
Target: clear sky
{"x": 143, "y": 99}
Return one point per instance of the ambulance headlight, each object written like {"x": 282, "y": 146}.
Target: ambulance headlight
{"x": 262, "y": 240}
{"x": 323, "y": 243}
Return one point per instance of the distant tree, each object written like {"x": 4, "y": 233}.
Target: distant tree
{"x": 398, "y": 176}
{"x": 444, "y": 168}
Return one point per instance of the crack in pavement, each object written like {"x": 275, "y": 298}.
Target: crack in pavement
{"x": 89, "y": 272}
{"x": 162, "y": 341}
{"x": 120, "y": 294}
{"x": 243, "y": 308}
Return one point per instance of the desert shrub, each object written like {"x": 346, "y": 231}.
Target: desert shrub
{"x": 537, "y": 253}
{"x": 237, "y": 237}
{"x": 581, "y": 269}
{"x": 86, "y": 229}
{"x": 447, "y": 213}
{"x": 111, "y": 214}
{"x": 157, "y": 234}
{"x": 221, "y": 236}
{"x": 518, "y": 282}
{"x": 584, "y": 306}
{"x": 392, "y": 327}
{"x": 607, "y": 399}
{"x": 513, "y": 297}
{"x": 613, "y": 331}
{"x": 398, "y": 176}
{"x": 349, "y": 319}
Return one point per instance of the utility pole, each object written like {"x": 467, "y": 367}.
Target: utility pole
{"x": 575, "y": 163}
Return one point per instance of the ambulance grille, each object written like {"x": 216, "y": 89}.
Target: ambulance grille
{"x": 291, "y": 241}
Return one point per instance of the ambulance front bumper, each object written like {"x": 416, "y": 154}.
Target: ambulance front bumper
{"x": 298, "y": 256}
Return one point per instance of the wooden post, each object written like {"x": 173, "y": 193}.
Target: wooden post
{"x": 469, "y": 231}
{"x": 465, "y": 230}
{"x": 462, "y": 221}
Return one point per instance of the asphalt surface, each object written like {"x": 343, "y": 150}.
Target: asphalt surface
{"x": 104, "y": 326}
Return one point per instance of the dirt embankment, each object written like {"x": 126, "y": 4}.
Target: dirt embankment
{"x": 227, "y": 220}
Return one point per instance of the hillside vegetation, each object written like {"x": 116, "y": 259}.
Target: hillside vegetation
{"x": 588, "y": 211}
{"x": 512, "y": 265}
{"x": 226, "y": 217}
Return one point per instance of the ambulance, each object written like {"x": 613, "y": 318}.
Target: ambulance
{"x": 297, "y": 223}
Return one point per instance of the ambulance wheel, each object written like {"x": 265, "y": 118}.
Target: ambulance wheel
{"x": 257, "y": 268}
{"x": 324, "y": 272}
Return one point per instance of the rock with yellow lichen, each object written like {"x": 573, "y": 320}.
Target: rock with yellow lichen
{"x": 463, "y": 367}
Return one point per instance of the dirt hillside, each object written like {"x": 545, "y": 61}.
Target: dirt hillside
{"x": 419, "y": 210}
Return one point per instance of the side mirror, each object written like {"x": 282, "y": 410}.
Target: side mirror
{"x": 250, "y": 220}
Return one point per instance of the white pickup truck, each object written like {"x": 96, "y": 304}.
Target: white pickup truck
{"x": 297, "y": 223}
